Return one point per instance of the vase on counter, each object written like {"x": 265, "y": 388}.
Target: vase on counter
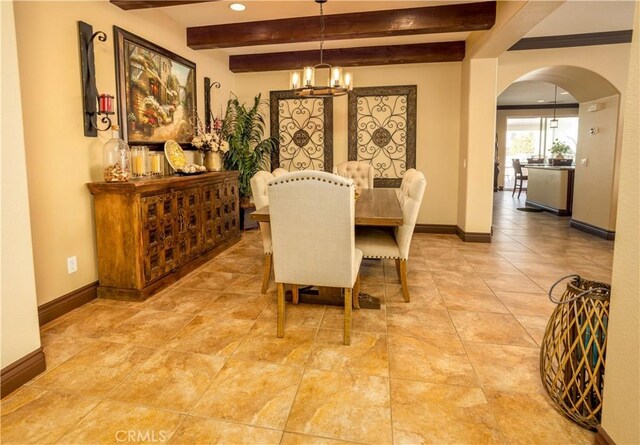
{"x": 212, "y": 161}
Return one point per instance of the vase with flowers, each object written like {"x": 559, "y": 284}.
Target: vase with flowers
{"x": 211, "y": 144}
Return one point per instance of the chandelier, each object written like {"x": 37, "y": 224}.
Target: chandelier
{"x": 553, "y": 123}
{"x": 303, "y": 83}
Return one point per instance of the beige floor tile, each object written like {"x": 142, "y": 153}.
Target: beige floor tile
{"x": 522, "y": 257}
{"x": 58, "y": 348}
{"x": 247, "y": 306}
{"x": 254, "y": 393}
{"x": 532, "y": 419}
{"x": 308, "y": 315}
{"x": 96, "y": 370}
{"x": 37, "y": 416}
{"x": 436, "y": 413}
{"x": 543, "y": 268}
{"x": 94, "y": 321}
{"x": 211, "y": 336}
{"x": 521, "y": 303}
{"x": 261, "y": 344}
{"x": 509, "y": 283}
{"x": 372, "y": 271}
{"x": 411, "y": 321}
{"x": 169, "y": 379}
{"x": 469, "y": 300}
{"x": 181, "y": 300}
{"x": 149, "y": 328}
{"x": 535, "y": 326}
{"x": 207, "y": 280}
{"x": 329, "y": 404}
{"x": 459, "y": 280}
{"x": 250, "y": 265}
{"x": 365, "y": 320}
{"x": 367, "y": 353}
{"x": 506, "y": 368}
{"x": 115, "y": 422}
{"x": 303, "y": 439}
{"x": 251, "y": 284}
{"x": 203, "y": 431}
{"x": 436, "y": 360}
{"x": 424, "y": 296}
{"x": 486, "y": 327}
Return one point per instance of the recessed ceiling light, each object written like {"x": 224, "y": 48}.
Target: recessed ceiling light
{"x": 540, "y": 101}
{"x": 237, "y": 7}
{"x": 565, "y": 92}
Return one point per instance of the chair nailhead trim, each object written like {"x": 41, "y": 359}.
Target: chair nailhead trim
{"x": 314, "y": 178}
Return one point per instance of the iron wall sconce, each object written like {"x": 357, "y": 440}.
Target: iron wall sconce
{"x": 208, "y": 114}
{"x": 93, "y": 104}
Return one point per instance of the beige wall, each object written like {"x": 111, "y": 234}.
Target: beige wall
{"x": 20, "y": 331}
{"x": 594, "y": 201}
{"x": 621, "y": 411}
{"x": 60, "y": 159}
{"x": 438, "y": 120}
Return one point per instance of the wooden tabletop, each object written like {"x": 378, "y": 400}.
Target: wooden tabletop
{"x": 374, "y": 207}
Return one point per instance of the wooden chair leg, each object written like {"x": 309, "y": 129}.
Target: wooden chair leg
{"x": 280, "y": 310}
{"x": 403, "y": 280}
{"x": 268, "y": 264}
{"x": 347, "y": 317}
{"x": 356, "y": 293}
{"x": 515, "y": 184}
{"x": 398, "y": 269}
{"x": 520, "y": 189}
{"x": 295, "y": 291}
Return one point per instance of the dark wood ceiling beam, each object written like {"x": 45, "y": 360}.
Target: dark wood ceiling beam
{"x": 397, "y": 22}
{"x": 142, "y": 4}
{"x": 348, "y": 57}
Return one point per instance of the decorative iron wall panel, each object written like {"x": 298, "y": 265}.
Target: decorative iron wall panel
{"x": 304, "y": 127}
{"x": 382, "y": 131}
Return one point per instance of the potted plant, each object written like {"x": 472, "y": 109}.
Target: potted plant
{"x": 559, "y": 149}
{"x": 249, "y": 151}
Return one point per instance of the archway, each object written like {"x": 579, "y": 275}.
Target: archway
{"x": 597, "y": 146}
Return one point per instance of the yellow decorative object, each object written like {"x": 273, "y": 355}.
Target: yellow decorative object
{"x": 175, "y": 155}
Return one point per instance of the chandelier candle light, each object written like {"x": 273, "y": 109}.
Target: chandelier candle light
{"x": 553, "y": 123}
{"x": 303, "y": 83}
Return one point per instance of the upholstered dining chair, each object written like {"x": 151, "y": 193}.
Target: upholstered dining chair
{"x": 279, "y": 172}
{"x": 259, "y": 191}
{"x": 517, "y": 170}
{"x": 377, "y": 243}
{"x": 361, "y": 172}
{"x": 312, "y": 217}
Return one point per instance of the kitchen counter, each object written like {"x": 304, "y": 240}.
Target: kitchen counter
{"x": 550, "y": 187}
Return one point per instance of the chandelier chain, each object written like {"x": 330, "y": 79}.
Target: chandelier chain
{"x": 321, "y": 31}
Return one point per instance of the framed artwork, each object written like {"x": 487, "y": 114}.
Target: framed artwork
{"x": 304, "y": 128}
{"x": 156, "y": 92}
{"x": 382, "y": 131}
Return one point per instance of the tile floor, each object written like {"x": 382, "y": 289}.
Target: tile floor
{"x": 200, "y": 362}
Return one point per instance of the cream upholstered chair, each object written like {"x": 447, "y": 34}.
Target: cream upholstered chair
{"x": 279, "y": 172}
{"x": 312, "y": 227}
{"x": 376, "y": 243}
{"x": 361, "y": 172}
{"x": 259, "y": 191}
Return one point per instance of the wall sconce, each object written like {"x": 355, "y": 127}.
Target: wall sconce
{"x": 208, "y": 114}
{"x": 93, "y": 104}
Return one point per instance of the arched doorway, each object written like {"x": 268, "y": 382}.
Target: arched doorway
{"x": 597, "y": 142}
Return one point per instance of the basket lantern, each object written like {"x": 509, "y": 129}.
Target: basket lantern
{"x": 572, "y": 355}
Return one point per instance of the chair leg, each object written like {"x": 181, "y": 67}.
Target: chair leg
{"x": 520, "y": 189}
{"x": 515, "y": 184}
{"x": 356, "y": 293}
{"x": 268, "y": 264}
{"x": 280, "y": 310}
{"x": 347, "y": 317}
{"x": 295, "y": 291}
{"x": 398, "y": 269}
{"x": 403, "y": 280}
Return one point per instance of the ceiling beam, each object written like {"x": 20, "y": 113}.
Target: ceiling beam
{"x": 396, "y": 22}
{"x": 346, "y": 57}
{"x": 142, "y": 4}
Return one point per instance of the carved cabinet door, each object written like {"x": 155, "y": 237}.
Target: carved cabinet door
{"x": 158, "y": 235}
{"x": 188, "y": 215}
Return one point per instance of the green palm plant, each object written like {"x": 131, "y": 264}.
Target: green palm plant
{"x": 249, "y": 150}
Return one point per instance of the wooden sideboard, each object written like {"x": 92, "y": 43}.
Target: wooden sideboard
{"x": 151, "y": 232}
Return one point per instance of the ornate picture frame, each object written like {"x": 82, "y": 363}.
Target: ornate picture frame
{"x": 156, "y": 92}
{"x": 304, "y": 129}
{"x": 382, "y": 130}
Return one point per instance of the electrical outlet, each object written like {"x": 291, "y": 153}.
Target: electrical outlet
{"x": 72, "y": 264}
{"x": 584, "y": 162}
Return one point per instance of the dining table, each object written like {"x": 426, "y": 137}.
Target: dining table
{"x": 378, "y": 207}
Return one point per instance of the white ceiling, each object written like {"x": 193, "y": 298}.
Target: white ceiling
{"x": 573, "y": 17}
